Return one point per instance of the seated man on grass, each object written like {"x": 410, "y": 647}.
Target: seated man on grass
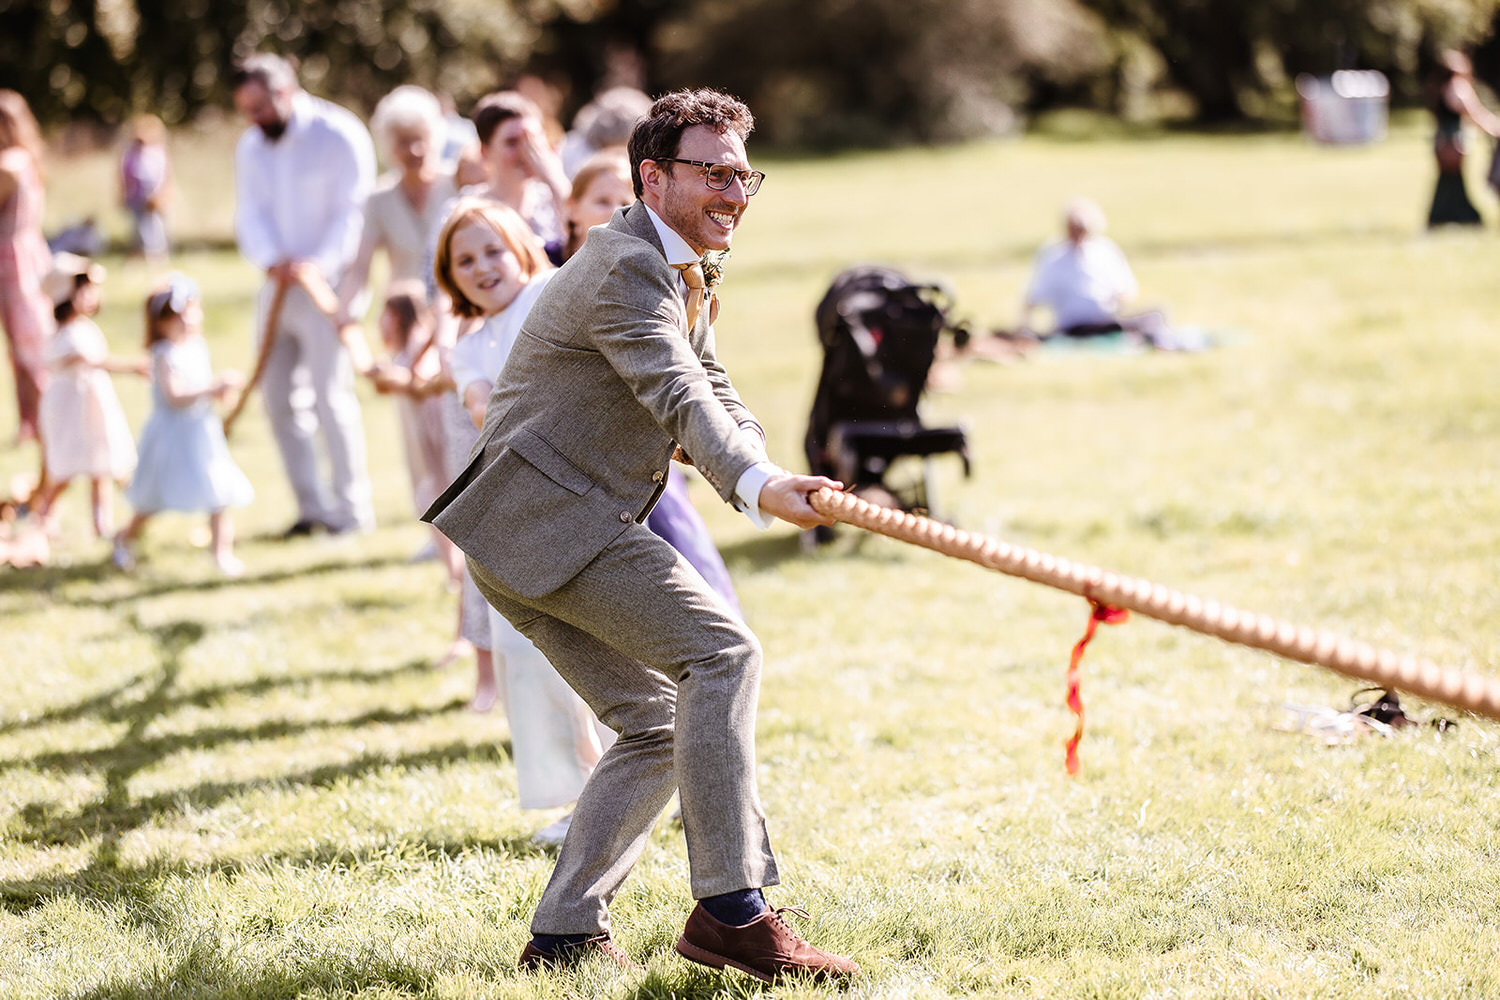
{"x": 1086, "y": 283}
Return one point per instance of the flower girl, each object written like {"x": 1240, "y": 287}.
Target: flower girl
{"x": 184, "y": 461}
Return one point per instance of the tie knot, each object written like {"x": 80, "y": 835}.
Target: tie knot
{"x": 692, "y": 274}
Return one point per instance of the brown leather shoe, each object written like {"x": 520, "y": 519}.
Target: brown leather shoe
{"x": 766, "y": 947}
{"x": 533, "y": 959}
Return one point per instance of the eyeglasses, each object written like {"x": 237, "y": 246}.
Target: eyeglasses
{"x": 718, "y": 176}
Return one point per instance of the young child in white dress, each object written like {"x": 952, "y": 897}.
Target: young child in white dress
{"x": 83, "y": 428}
{"x": 184, "y": 461}
{"x": 493, "y": 268}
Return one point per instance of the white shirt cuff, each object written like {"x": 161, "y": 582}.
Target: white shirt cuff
{"x": 747, "y": 492}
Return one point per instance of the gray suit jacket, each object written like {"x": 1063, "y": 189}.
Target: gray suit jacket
{"x": 604, "y": 380}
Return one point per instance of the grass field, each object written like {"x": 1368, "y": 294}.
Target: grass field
{"x": 260, "y": 789}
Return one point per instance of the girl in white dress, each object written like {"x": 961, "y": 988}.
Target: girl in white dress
{"x": 184, "y": 461}
{"x": 493, "y": 268}
{"x": 84, "y": 431}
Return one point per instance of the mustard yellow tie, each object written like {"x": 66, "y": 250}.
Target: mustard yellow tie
{"x": 692, "y": 276}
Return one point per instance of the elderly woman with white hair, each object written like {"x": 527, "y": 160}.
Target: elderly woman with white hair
{"x": 1085, "y": 281}
{"x": 407, "y": 205}
{"x": 403, "y": 211}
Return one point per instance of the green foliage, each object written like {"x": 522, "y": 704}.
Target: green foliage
{"x": 103, "y": 59}
{"x": 821, "y": 73}
{"x": 832, "y": 73}
{"x": 1236, "y": 58}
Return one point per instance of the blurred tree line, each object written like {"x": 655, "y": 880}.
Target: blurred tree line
{"x": 816, "y": 72}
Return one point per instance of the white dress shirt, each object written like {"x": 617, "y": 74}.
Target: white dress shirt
{"x": 302, "y": 197}
{"x": 747, "y": 488}
{"x": 1084, "y": 284}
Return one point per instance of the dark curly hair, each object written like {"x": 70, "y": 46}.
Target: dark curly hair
{"x": 658, "y": 135}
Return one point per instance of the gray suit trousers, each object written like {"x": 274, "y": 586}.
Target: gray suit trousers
{"x": 665, "y": 663}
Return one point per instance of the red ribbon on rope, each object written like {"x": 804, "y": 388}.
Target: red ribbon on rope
{"x": 1099, "y": 613}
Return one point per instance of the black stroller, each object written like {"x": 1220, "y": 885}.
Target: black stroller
{"x": 880, "y": 333}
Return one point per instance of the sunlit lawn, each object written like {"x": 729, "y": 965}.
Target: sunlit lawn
{"x": 260, "y": 789}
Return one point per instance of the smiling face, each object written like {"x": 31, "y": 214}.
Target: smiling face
{"x": 483, "y": 268}
{"x": 609, "y": 190}
{"x": 677, "y": 192}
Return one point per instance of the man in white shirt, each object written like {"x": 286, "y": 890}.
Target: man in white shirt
{"x": 302, "y": 173}
{"x": 1085, "y": 280}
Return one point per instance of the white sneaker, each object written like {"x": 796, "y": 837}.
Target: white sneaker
{"x": 552, "y": 834}
{"x": 122, "y": 557}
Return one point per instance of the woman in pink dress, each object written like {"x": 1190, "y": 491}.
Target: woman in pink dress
{"x": 25, "y": 310}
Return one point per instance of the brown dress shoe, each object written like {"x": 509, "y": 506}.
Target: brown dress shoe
{"x": 766, "y": 947}
{"x": 533, "y": 959}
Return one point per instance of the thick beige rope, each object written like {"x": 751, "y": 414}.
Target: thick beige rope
{"x": 267, "y": 341}
{"x": 1474, "y": 692}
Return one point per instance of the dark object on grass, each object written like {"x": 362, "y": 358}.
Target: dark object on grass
{"x": 1386, "y": 708}
{"x": 879, "y": 332}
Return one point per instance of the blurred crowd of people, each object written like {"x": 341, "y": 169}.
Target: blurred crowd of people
{"x": 472, "y": 217}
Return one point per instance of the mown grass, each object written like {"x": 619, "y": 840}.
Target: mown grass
{"x": 259, "y": 788}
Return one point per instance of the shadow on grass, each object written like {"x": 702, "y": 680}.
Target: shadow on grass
{"x": 203, "y": 967}
{"x": 52, "y": 576}
{"x": 209, "y": 970}
{"x": 117, "y": 813}
{"x": 696, "y": 983}
{"x": 48, "y": 578}
{"x": 764, "y": 552}
{"x": 138, "y": 704}
{"x": 105, "y": 705}
{"x": 151, "y": 750}
{"x": 138, "y": 885}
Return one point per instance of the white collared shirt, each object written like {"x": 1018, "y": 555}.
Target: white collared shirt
{"x": 1084, "y": 283}
{"x": 747, "y": 488}
{"x": 303, "y": 196}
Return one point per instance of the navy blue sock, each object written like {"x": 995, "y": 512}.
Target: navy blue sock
{"x": 553, "y": 943}
{"x": 735, "y": 908}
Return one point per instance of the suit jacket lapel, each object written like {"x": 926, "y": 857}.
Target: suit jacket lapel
{"x": 633, "y": 219}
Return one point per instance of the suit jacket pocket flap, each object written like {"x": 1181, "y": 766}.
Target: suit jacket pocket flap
{"x": 551, "y": 463}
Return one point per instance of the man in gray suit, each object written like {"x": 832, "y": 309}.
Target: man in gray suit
{"x": 613, "y": 375}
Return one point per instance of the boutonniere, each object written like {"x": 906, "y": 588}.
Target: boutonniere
{"x": 713, "y": 267}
